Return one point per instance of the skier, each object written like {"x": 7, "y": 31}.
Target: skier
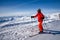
{"x": 40, "y": 18}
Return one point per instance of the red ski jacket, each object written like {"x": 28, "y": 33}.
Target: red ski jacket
{"x": 40, "y": 16}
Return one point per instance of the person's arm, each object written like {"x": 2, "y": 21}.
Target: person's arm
{"x": 34, "y": 16}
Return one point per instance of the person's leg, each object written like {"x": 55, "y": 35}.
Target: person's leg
{"x": 40, "y": 26}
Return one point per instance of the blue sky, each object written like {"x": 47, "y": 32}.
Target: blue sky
{"x": 26, "y": 7}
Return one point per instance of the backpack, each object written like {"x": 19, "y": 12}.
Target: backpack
{"x": 43, "y": 16}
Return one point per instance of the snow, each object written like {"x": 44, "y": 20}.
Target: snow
{"x": 21, "y": 27}
{"x": 55, "y": 28}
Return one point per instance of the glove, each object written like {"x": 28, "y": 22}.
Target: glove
{"x": 32, "y": 16}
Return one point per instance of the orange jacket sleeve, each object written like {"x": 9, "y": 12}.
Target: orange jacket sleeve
{"x": 36, "y": 15}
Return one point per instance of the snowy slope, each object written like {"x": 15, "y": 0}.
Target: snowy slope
{"x": 21, "y": 27}
{"x": 54, "y": 35}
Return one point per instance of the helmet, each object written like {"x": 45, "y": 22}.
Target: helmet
{"x": 39, "y": 10}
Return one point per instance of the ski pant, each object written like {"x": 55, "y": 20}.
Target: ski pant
{"x": 40, "y": 26}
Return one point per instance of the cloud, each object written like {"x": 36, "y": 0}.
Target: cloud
{"x": 18, "y": 13}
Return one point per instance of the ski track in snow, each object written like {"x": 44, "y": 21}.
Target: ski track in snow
{"x": 20, "y": 28}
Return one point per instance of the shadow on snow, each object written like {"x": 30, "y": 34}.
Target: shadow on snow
{"x": 54, "y": 32}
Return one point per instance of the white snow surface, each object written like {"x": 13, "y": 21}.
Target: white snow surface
{"x": 20, "y": 28}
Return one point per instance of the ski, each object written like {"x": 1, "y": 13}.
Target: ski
{"x": 40, "y": 33}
